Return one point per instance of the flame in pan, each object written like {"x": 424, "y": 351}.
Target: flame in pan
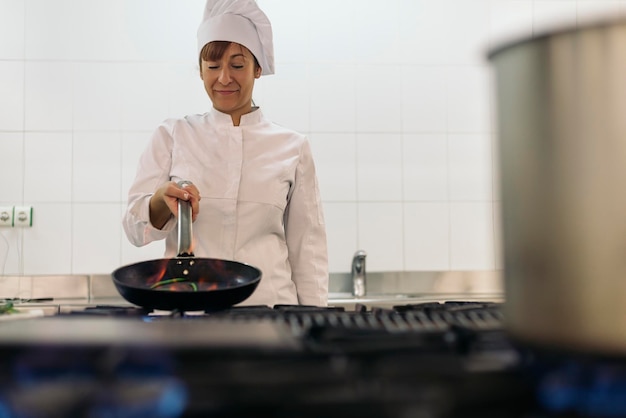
{"x": 188, "y": 281}
{"x": 159, "y": 275}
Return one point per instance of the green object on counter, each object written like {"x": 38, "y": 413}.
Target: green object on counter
{"x": 7, "y": 308}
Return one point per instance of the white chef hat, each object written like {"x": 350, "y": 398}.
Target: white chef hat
{"x": 240, "y": 21}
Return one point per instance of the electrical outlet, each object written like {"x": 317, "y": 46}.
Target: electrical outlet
{"x": 23, "y": 216}
{"x": 6, "y": 216}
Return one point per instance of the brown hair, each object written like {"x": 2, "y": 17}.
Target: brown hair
{"x": 214, "y": 51}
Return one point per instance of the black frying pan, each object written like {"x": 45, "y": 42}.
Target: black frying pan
{"x": 186, "y": 283}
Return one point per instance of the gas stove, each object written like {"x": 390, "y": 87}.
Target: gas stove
{"x": 436, "y": 359}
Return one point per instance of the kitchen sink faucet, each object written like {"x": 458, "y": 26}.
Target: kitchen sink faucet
{"x": 358, "y": 273}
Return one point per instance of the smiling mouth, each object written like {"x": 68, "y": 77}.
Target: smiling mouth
{"x": 226, "y": 92}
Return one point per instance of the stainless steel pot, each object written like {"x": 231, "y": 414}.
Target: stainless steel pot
{"x": 561, "y": 106}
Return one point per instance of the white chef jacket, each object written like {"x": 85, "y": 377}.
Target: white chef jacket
{"x": 260, "y": 202}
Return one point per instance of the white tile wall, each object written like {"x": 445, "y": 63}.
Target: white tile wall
{"x": 378, "y": 104}
{"x": 471, "y": 235}
{"x": 379, "y": 167}
{"x": 95, "y": 245}
{"x": 375, "y": 43}
{"x": 427, "y": 236}
{"x": 469, "y": 167}
{"x": 50, "y": 29}
{"x": 333, "y": 38}
{"x": 336, "y": 164}
{"x": 466, "y": 30}
{"x": 284, "y": 97}
{"x": 12, "y": 29}
{"x": 144, "y": 87}
{"x": 425, "y": 167}
{"x": 11, "y": 167}
{"x": 96, "y": 99}
{"x": 395, "y": 96}
{"x": 423, "y": 31}
{"x": 467, "y": 99}
{"x": 10, "y": 251}
{"x": 12, "y": 88}
{"x": 47, "y": 167}
{"x": 96, "y": 167}
{"x": 48, "y": 104}
{"x": 333, "y": 97}
{"x": 343, "y": 233}
{"x": 548, "y": 14}
{"x": 47, "y": 246}
{"x": 423, "y": 94}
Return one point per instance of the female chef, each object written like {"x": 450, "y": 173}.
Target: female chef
{"x": 254, "y": 191}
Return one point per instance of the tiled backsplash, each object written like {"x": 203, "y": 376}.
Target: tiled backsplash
{"x": 394, "y": 95}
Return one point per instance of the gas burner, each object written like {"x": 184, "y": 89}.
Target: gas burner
{"x": 308, "y": 308}
{"x": 111, "y": 310}
{"x": 449, "y": 306}
{"x": 239, "y": 310}
{"x": 579, "y": 385}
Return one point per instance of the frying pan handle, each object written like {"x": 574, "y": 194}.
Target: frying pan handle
{"x": 185, "y": 233}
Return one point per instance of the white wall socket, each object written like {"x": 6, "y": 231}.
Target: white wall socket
{"x": 6, "y": 216}
{"x": 23, "y": 216}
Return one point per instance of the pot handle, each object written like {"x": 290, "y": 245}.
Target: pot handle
{"x": 185, "y": 233}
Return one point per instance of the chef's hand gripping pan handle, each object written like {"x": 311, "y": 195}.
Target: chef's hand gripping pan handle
{"x": 185, "y": 232}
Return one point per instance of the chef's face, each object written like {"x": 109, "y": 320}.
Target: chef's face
{"x": 229, "y": 80}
